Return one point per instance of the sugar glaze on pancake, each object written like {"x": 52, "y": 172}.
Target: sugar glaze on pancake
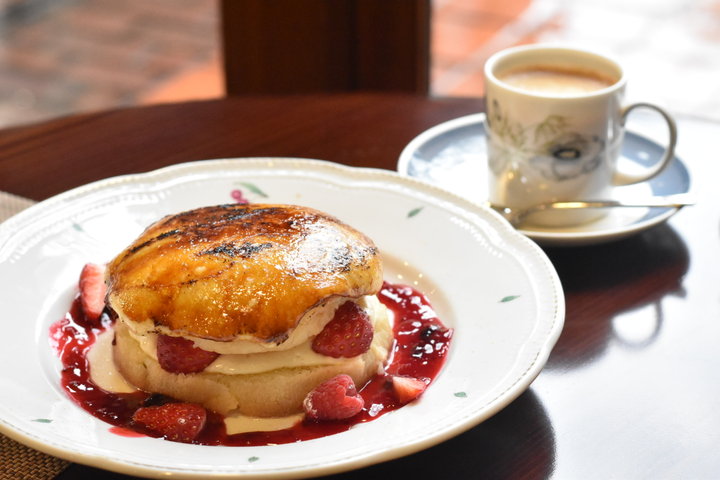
{"x": 229, "y": 271}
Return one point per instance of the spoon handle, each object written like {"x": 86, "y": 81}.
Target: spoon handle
{"x": 669, "y": 201}
{"x": 515, "y": 215}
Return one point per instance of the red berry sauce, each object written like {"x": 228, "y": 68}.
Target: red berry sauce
{"x": 421, "y": 343}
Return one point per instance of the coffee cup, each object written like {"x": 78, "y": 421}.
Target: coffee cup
{"x": 555, "y": 121}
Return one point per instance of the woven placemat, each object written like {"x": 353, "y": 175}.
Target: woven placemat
{"x": 11, "y": 204}
{"x": 18, "y": 462}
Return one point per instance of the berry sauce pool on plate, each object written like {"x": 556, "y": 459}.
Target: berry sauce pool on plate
{"x": 421, "y": 344}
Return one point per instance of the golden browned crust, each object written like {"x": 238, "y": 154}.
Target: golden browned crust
{"x": 223, "y": 271}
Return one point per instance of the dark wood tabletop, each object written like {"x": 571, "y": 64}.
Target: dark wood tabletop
{"x": 631, "y": 389}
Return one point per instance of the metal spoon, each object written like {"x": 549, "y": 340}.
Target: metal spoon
{"x": 516, "y": 215}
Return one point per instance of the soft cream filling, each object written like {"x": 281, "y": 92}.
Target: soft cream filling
{"x": 234, "y": 361}
{"x": 103, "y": 371}
{"x": 309, "y": 325}
{"x": 235, "y": 424}
{"x": 105, "y": 375}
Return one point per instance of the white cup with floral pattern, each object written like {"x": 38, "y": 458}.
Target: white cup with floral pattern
{"x": 555, "y": 122}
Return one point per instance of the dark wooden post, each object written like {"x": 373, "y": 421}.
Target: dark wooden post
{"x": 300, "y": 46}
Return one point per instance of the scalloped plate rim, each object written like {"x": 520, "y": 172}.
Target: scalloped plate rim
{"x": 57, "y": 204}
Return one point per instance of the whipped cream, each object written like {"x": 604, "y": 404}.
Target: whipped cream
{"x": 105, "y": 375}
{"x": 249, "y": 356}
{"x": 103, "y": 371}
{"x": 235, "y": 424}
{"x": 309, "y": 325}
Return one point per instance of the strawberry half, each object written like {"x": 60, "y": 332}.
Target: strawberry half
{"x": 180, "y": 355}
{"x": 92, "y": 291}
{"x": 334, "y": 399}
{"x": 407, "y": 389}
{"x": 178, "y": 422}
{"x": 348, "y": 334}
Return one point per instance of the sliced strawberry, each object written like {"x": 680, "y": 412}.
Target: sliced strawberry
{"x": 180, "y": 355}
{"x": 334, "y": 399}
{"x": 178, "y": 422}
{"x": 348, "y": 334}
{"x": 92, "y": 291}
{"x": 408, "y": 389}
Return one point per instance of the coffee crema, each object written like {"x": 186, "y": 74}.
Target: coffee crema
{"x": 554, "y": 80}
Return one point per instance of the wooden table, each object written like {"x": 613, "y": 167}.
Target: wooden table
{"x": 631, "y": 389}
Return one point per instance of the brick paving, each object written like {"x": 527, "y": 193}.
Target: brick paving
{"x": 58, "y": 57}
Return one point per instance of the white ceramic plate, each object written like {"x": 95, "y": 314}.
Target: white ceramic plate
{"x": 493, "y": 286}
{"x": 452, "y": 155}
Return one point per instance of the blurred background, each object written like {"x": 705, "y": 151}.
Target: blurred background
{"x": 59, "y": 57}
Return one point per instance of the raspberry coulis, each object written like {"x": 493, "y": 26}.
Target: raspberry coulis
{"x": 419, "y": 350}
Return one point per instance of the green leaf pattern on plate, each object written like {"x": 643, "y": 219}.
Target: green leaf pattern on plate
{"x": 414, "y": 212}
{"x": 254, "y": 189}
{"x": 509, "y": 298}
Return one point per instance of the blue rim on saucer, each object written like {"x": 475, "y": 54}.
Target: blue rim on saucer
{"x": 452, "y": 156}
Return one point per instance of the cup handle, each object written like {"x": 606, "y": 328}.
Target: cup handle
{"x": 626, "y": 178}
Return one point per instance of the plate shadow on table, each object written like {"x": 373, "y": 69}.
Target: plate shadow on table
{"x": 604, "y": 281}
{"x": 497, "y": 448}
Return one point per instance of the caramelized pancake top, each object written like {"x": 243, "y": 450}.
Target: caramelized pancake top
{"x": 223, "y": 271}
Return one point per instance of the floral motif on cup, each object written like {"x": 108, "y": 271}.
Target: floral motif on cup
{"x": 548, "y": 147}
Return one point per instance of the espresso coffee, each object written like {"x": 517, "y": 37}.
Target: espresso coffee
{"x": 555, "y": 80}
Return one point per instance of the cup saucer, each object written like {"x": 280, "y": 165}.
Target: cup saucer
{"x": 452, "y": 155}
